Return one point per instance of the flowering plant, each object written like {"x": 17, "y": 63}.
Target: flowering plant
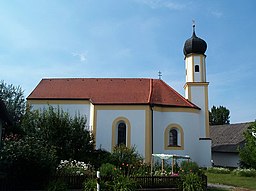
{"x": 74, "y": 168}
{"x": 245, "y": 172}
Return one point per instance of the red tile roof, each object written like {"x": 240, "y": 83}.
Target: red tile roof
{"x": 111, "y": 91}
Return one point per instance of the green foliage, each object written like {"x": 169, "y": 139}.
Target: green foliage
{"x": 218, "y": 170}
{"x": 188, "y": 167}
{"x": 191, "y": 182}
{"x": 219, "y": 115}
{"x": 27, "y": 159}
{"x": 124, "y": 183}
{"x": 126, "y": 159}
{"x": 14, "y": 100}
{"x": 245, "y": 172}
{"x": 99, "y": 157}
{"x": 90, "y": 185}
{"x": 109, "y": 171}
{"x": 57, "y": 185}
{"x": 248, "y": 152}
{"x": 68, "y": 135}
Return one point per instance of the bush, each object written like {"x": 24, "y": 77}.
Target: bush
{"x": 245, "y": 172}
{"x": 126, "y": 159}
{"x": 218, "y": 170}
{"x": 90, "y": 185}
{"x": 191, "y": 182}
{"x": 67, "y": 134}
{"x": 109, "y": 171}
{"x": 124, "y": 183}
{"x": 57, "y": 185}
{"x": 28, "y": 160}
{"x": 188, "y": 167}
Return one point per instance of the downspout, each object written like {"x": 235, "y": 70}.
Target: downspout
{"x": 152, "y": 128}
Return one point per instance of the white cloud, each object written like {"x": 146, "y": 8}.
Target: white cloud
{"x": 169, "y": 4}
{"x": 217, "y": 14}
{"x": 82, "y": 56}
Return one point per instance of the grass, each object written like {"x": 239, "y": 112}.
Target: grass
{"x": 232, "y": 180}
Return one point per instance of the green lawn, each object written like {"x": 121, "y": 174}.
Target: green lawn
{"x": 232, "y": 180}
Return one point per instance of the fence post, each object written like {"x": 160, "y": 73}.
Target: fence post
{"x": 98, "y": 180}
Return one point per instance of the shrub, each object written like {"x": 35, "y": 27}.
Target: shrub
{"x": 124, "y": 183}
{"x": 218, "y": 170}
{"x": 126, "y": 159}
{"x": 30, "y": 161}
{"x": 187, "y": 167}
{"x": 191, "y": 182}
{"x": 90, "y": 185}
{"x": 109, "y": 171}
{"x": 245, "y": 172}
{"x": 67, "y": 134}
{"x": 57, "y": 185}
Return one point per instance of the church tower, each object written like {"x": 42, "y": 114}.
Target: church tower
{"x": 196, "y": 87}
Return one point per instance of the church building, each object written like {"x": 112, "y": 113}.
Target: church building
{"x": 141, "y": 112}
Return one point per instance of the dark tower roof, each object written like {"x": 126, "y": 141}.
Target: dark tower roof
{"x": 194, "y": 44}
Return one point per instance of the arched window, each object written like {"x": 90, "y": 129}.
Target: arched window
{"x": 121, "y": 134}
{"x": 173, "y": 137}
{"x": 196, "y": 68}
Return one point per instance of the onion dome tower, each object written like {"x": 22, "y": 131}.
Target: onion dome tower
{"x": 196, "y": 87}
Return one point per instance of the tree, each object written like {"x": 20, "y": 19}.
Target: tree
{"x": 68, "y": 135}
{"x": 248, "y": 152}
{"x": 13, "y": 97}
{"x": 219, "y": 115}
{"x": 27, "y": 161}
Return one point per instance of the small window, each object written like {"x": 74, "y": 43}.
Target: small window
{"x": 121, "y": 138}
{"x": 196, "y": 68}
{"x": 173, "y": 137}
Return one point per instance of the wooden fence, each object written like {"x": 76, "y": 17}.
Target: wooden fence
{"x": 76, "y": 182}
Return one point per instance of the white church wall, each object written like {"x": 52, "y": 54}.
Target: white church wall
{"x": 198, "y": 100}
{"x": 105, "y": 119}
{"x": 189, "y": 69}
{"x": 204, "y": 153}
{"x": 188, "y": 123}
{"x": 198, "y": 151}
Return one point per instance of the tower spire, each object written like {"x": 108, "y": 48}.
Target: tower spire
{"x": 194, "y": 27}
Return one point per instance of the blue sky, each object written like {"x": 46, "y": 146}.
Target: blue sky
{"x": 132, "y": 38}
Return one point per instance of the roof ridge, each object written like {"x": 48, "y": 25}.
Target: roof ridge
{"x": 64, "y": 78}
{"x": 150, "y": 89}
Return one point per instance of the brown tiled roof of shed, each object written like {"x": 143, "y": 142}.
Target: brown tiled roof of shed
{"x": 227, "y": 138}
{"x": 110, "y": 91}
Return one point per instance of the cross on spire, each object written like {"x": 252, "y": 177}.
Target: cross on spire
{"x": 160, "y": 75}
{"x": 193, "y": 25}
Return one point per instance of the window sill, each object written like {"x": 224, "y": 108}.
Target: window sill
{"x": 174, "y": 147}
